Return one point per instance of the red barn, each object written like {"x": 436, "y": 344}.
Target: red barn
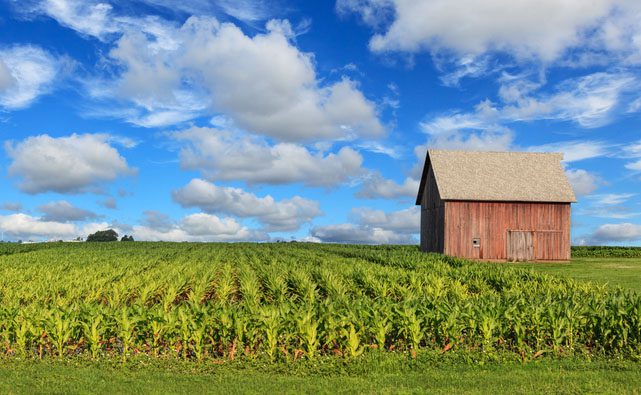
{"x": 495, "y": 205}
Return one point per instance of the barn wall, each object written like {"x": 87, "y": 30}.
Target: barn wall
{"x": 432, "y": 217}
{"x": 490, "y": 221}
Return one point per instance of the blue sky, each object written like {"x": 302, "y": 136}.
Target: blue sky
{"x": 263, "y": 120}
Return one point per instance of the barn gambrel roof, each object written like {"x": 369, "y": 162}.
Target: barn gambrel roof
{"x": 498, "y": 176}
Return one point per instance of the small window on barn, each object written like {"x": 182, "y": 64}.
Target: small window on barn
{"x": 476, "y": 242}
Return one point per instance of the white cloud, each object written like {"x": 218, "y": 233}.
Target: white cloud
{"x": 63, "y": 211}
{"x": 6, "y": 79}
{"x": 575, "y": 150}
{"x": 406, "y": 221}
{"x": 473, "y": 140}
{"x": 541, "y": 29}
{"x": 610, "y": 212}
{"x": 633, "y": 151}
{"x": 269, "y": 87}
{"x": 634, "y": 166}
{"x": 263, "y": 83}
{"x": 244, "y": 10}
{"x": 377, "y": 187}
{"x": 373, "y": 227}
{"x": 610, "y": 199}
{"x": 26, "y": 72}
{"x": 247, "y": 10}
{"x": 199, "y": 227}
{"x": 219, "y": 155}
{"x": 609, "y": 205}
{"x": 464, "y": 67}
{"x": 583, "y": 182}
{"x": 475, "y": 131}
{"x": 350, "y": 233}
{"x": 393, "y": 152}
{"x": 77, "y": 163}
{"x": 287, "y": 214}
{"x": 86, "y": 17}
{"x": 616, "y": 233}
{"x": 589, "y": 101}
{"x": 26, "y": 227}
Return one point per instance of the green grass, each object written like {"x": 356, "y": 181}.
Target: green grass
{"x": 623, "y": 272}
{"x": 389, "y": 374}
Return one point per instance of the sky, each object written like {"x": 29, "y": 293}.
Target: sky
{"x": 256, "y": 120}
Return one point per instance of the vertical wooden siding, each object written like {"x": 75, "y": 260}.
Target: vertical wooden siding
{"x": 490, "y": 221}
{"x": 432, "y": 217}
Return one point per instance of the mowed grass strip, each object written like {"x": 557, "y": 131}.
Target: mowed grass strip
{"x": 615, "y": 272}
{"x": 548, "y": 376}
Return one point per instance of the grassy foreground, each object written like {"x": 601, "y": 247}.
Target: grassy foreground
{"x": 248, "y": 318}
{"x": 373, "y": 374}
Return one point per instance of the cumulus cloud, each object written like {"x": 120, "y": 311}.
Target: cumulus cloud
{"x": 172, "y": 74}
{"x": 63, "y": 211}
{"x": 354, "y": 234}
{"x": 26, "y": 72}
{"x": 372, "y": 227}
{"x": 544, "y": 30}
{"x": 287, "y": 214}
{"x": 616, "y": 233}
{"x": 268, "y": 86}
{"x": 583, "y": 182}
{"x": 26, "y": 227}
{"x": 221, "y": 155}
{"x": 406, "y": 221}
{"x": 377, "y": 187}
{"x": 72, "y": 164}
{"x": 197, "y": 227}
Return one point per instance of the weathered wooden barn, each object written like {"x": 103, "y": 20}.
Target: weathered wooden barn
{"x": 495, "y": 205}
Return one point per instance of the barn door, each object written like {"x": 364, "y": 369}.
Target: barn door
{"x": 520, "y": 245}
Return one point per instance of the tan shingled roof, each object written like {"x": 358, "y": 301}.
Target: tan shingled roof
{"x": 498, "y": 176}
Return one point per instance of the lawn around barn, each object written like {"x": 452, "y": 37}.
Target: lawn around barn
{"x": 105, "y": 276}
{"x": 615, "y": 272}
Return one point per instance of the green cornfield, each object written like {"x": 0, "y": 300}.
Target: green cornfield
{"x": 289, "y": 301}
{"x": 606, "y": 252}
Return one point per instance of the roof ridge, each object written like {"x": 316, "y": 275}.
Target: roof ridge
{"x": 496, "y": 152}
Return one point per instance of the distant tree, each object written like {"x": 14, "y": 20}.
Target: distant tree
{"x": 103, "y": 235}
{"x": 127, "y": 238}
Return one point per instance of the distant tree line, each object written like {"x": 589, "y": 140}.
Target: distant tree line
{"x": 108, "y": 235}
